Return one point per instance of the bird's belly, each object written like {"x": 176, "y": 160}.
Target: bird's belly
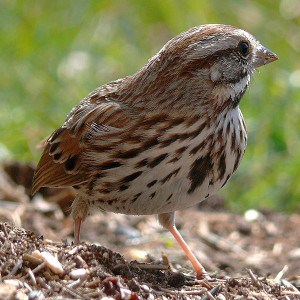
{"x": 151, "y": 194}
{"x": 166, "y": 179}
{"x": 160, "y": 198}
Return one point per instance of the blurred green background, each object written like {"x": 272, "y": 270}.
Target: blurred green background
{"x": 54, "y": 52}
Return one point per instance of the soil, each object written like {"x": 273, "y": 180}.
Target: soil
{"x": 251, "y": 256}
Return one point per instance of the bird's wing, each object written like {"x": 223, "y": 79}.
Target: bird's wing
{"x": 96, "y": 117}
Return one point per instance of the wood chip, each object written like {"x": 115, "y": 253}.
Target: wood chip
{"x": 34, "y": 260}
{"x": 52, "y": 263}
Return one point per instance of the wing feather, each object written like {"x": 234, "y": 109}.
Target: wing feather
{"x": 62, "y": 161}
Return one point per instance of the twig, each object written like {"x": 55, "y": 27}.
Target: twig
{"x": 213, "y": 292}
{"x": 145, "y": 266}
{"x": 4, "y": 230}
{"x": 254, "y": 279}
{"x": 289, "y": 285}
{"x": 12, "y": 249}
{"x": 17, "y": 266}
{"x": 27, "y": 286}
{"x": 32, "y": 277}
{"x": 42, "y": 283}
{"x": 281, "y": 274}
{"x": 39, "y": 267}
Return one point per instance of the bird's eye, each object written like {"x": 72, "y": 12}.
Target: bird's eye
{"x": 243, "y": 48}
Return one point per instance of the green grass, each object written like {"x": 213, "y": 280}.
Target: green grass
{"x": 54, "y": 52}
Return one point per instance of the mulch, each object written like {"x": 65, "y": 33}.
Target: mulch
{"x": 255, "y": 255}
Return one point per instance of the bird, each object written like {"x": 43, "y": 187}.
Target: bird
{"x": 162, "y": 139}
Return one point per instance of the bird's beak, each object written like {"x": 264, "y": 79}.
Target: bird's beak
{"x": 264, "y": 56}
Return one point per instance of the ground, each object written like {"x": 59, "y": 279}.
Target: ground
{"x": 251, "y": 256}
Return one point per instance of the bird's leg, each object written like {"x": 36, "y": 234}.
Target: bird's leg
{"x": 77, "y": 226}
{"x": 79, "y": 212}
{"x": 167, "y": 220}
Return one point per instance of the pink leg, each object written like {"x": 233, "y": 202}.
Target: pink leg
{"x": 77, "y": 225}
{"x": 200, "y": 271}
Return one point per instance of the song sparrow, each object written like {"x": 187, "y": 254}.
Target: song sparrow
{"x": 163, "y": 139}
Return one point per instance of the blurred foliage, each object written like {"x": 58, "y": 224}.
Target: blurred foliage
{"x": 54, "y": 52}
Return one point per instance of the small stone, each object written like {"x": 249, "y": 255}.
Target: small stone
{"x": 36, "y": 295}
{"x": 145, "y": 288}
{"x": 7, "y": 291}
{"x": 294, "y": 254}
{"x": 74, "y": 250}
{"x": 252, "y": 215}
{"x": 78, "y": 273}
{"x": 20, "y": 295}
{"x": 125, "y": 294}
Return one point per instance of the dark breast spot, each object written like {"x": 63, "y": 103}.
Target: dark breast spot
{"x": 233, "y": 141}
{"x": 104, "y": 190}
{"x": 173, "y": 138}
{"x": 237, "y": 159}
{"x": 198, "y": 148}
{"x": 170, "y": 196}
{"x": 228, "y": 129}
{"x": 181, "y": 150}
{"x": 141, "y": 163}
{"x": 157, "y": 160}
{"x": 129, "y": 153}
{"x": 151, "y": 183}
{"x": 136, "y": 197}
{"x": 173, "y": 160}
{"x": 222, "y": 166}
{"x": 131, "y": 177}
{"x": 150, "y": 143}
{"x": 170, "y": 175}
{"x": 109, "y": 165}
{"x": 228, "y": 176}
{"x": 197, "y": 131}
{"x": 152, "y": 195}
{"x": 199, "y": 171}
{"x": 123, "y": 187}
{"x": 241, "y": 135}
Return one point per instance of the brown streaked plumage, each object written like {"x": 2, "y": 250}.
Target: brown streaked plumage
{"x": 163, "y": 139}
